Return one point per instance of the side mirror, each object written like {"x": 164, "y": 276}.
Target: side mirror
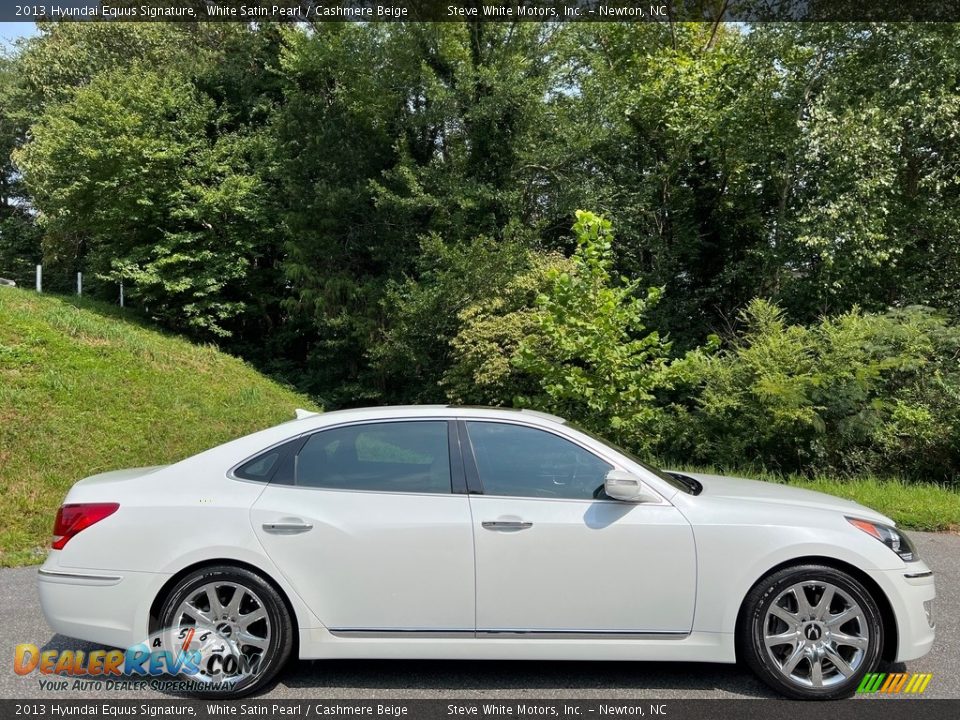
{"x": 621, "y": 485}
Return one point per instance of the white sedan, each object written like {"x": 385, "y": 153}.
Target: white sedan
{"x": 469, "y": 533}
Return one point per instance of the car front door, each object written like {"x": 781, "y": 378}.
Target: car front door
{"x": 555, "y": 557}
{"x": 366, "y": 527}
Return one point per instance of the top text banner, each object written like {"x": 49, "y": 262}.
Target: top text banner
{"x": 314, "y": 11}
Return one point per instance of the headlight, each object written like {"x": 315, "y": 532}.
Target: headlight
{"x": 891, "y": 537}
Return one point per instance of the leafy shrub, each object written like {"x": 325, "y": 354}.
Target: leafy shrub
{"x": 423, "y": 312}
{"x": 484, "y": 366}
{"x": 591, "y": 356}
{"x": 854, "y": 393}
{"x": 565, "y": 336}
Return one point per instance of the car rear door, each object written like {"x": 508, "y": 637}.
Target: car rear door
{"x": 555, "y": 558}
{"x": 368, "y": 528}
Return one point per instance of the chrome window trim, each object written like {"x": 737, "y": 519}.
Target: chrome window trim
{"x": 367, "y": 492}
{"x": 572, "y": 500}
{"x": 307, "y": 434}
{"x": 607, "y": 455}
{"x": 231, "y": 472}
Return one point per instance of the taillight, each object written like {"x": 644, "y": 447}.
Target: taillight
{"x": 74, "y": 517}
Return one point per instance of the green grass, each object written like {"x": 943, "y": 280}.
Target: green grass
{"x": 916, "y": 506}
{"x": 84, "y": 389}
{"x": 912, "y": 505}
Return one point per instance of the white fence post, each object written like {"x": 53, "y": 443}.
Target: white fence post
{"x": 39, "y": 278}
{"x": 121, "y": 293}
{"x": 79, "y": 283}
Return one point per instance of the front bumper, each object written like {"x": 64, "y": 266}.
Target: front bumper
{"x": 103, "y": 607}
{"x": 911, "y": 592}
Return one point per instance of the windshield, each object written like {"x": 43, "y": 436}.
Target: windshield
{"x": 680, "y": 482}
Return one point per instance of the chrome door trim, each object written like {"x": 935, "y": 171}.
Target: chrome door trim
{"x": 582, "y": 634}
{"x": 507, "y": 634}
{"x": 399, "y": 633}
{"x": 78, "y": 578}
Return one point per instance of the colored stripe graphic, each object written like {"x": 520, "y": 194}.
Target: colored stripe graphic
{"x": 898, "y": 685}
{"x": 871, "y": 682}
{"x": 893, "y": 683}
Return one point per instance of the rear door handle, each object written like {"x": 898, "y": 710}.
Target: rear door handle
{"x": 506, "y": 524}
{"x": 289, "y": 527}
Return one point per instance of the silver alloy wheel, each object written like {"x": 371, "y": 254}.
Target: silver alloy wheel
{"x": 815, "y": 634}
{"x": 229, "y": 619}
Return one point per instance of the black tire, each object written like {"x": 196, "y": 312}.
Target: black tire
{"x": 280, "y": 633}
{"x": 812, "y": 636}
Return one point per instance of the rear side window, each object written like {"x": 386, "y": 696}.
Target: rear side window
{"x": 410, "y": 456}
{"x": 260, "y": 468}
{"x": 273, "y": 465}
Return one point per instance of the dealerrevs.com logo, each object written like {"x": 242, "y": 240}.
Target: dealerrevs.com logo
{"x": 894, "y": 683}
{"x": 200, "y": 656}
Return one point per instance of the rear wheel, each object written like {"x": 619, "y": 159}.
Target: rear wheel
{"x": 235, "y": 626}
{"x": 811, "y": 632}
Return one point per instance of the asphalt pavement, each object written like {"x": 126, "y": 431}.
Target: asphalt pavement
{"x": 21, "y": 621}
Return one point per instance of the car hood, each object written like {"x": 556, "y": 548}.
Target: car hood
{"x": 756, "y": 491}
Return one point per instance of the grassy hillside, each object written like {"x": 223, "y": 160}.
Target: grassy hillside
{"x": 83, "y": 390}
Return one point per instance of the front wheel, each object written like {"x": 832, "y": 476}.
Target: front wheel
{"x": 233, "y": 628}
{"x": 811, "y": 632}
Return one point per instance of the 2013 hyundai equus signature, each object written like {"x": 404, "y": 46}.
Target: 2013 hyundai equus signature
{"x": 472, "y": 533}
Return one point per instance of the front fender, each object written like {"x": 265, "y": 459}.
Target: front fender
{"x": 733, "y": 554}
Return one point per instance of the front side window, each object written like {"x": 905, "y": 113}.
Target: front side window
{"x": 526, "y": 462}
{"x": 411, "y": 456}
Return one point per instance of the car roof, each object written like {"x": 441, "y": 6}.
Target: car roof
{"x": 394, "y": 412}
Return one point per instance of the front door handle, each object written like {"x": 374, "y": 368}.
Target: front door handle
{"x": 287, "y": 527}
{"x": 506, "y": 524}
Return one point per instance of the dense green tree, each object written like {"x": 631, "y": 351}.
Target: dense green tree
{"x": 425, "y": 310}
{"x": 388, "y": 135}
{"x": 473, "y": 109}
{"x": 663, "y": 134}
{"x": 811, "y": 163}
{"x": 157, "y": 178}
{"x": 873, "y": 199}
{"x": 132, "y": 188}
{"x": 19, "y": 237}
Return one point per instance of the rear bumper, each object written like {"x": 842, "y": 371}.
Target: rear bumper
{"x": 102, "y": 607}
{"x": 911, "y": 593}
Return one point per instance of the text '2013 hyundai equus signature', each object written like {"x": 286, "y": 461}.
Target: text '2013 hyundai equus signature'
{"x": 469, "y": 533}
